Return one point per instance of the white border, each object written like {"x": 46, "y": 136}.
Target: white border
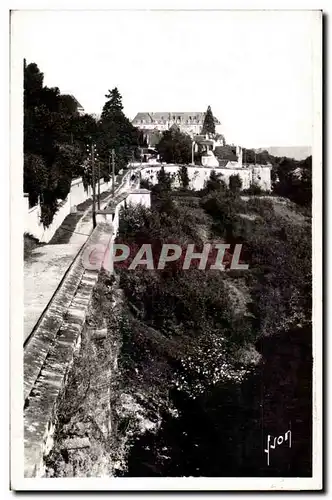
{"x": 18, "y": 482}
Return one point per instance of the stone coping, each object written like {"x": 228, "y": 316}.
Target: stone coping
{"x": 49, "y": 353}
{"x": 40, "y": 340}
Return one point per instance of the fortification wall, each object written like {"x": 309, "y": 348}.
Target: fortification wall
{"x": 199, "y": 175}
{"x": 261, "y": 175}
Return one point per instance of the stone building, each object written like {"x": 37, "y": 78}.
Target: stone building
{"x": 190, "y": 122}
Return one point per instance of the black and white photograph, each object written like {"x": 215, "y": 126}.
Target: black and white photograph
{"x": 166, "y": 178}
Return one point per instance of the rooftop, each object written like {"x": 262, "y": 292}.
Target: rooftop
{"x": 183, "y": 116}
{"x": 77, "y": 103}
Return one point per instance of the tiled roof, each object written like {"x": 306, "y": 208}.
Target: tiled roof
{"x": 183, "y": 116}
{"x": 223, "y": 163}
{"x": 77, "y": 103}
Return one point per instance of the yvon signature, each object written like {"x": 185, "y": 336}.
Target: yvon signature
{"x": 273, "y": 442}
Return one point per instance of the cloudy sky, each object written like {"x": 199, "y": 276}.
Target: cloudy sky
{"x": 253, "y": 68}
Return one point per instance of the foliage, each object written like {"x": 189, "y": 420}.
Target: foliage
{"x": 35, "y": 177}
{"x": 184, "y": 177}
{"x": 56, "y": 136}
{"x": 164, "y": 180}
{"x": 142, "y": 141}
{"x": 175, "y": 146}
{"x": 192, "y": 305}
{"x": 252, "y": 156}
{"x": 115, "y": 131}
{"x": 146, "y": 184}
{"x": 235, "y": 183}
{"x": 214, "y": 183}
{"x": 294, "y": 180}
{"x": 209, "y": 126}
{"x": 220, "y": 137}
{"x": 225, "y": 152}
{"x": 254, "y": 190}
{"x": 54, "y": 142}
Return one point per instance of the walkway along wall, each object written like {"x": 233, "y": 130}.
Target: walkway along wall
{"x": 77, "y": 195}
{"x": 48, "y": 354}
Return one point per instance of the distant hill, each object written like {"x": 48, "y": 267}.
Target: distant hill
{"x": 296, "y": 152}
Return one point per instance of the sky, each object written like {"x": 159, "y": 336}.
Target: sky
{"x": 255, "y": 69}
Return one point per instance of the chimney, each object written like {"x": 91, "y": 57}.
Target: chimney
{"x": 239, "y": 156}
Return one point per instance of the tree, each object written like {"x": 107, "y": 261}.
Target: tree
{"x": 214, "y": 183}
{"x": 115, "y": 131}
{"x": 294, "y": 180}
{"x": 142, "y": 140}
{"x": 235, "y": 183}
{"x": 68, "y": 104}
{"x": 209, "y": 126}
{"x": 35, "y": 177}
{"x": 174, "y": 146}
{"x": 113, "y": 104}
{"x": 184, "y": 177}
{"x": 55, "y": 138}
{"x": 164, "y": 179}
{"x": 225, "y": 152}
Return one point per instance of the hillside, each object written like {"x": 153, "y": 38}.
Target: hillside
{"x": 296, "y": 152}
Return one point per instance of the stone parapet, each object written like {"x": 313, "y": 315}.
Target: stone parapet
{"x": 49, "y": 352}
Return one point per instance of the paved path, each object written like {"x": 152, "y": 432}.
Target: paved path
{"x": 47, "y": 265}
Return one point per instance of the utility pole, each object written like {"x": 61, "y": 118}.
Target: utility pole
{"x": 93, "y": 186}
{"x": 98, "y": 185}
{"x": 113, "y": 173}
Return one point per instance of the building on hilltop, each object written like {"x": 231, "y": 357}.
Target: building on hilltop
{"x": 190, "y": 122}
{"x": 79, "y": 107}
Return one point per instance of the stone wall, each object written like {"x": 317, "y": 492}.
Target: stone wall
{"x": 49, "y": 352}
{"x": 77, "y": 195}
{"x": 261, "y": 175}
{"x": 199, "y": 175}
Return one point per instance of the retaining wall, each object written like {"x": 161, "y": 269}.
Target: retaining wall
{"x": 198, "y": 175}
{"x": 77, "y": 195}
{"x": 49, "y": 352}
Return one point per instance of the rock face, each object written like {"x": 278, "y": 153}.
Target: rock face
{"x": 76, "y": 443}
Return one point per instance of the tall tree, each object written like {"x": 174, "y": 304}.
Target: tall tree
{"x": 116, "y": 131}
{"x": 54, "y": 142}
{"x": 209, "y": 126}
{"x": 184, "y": 176}
{"x": 174, "y": 146}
